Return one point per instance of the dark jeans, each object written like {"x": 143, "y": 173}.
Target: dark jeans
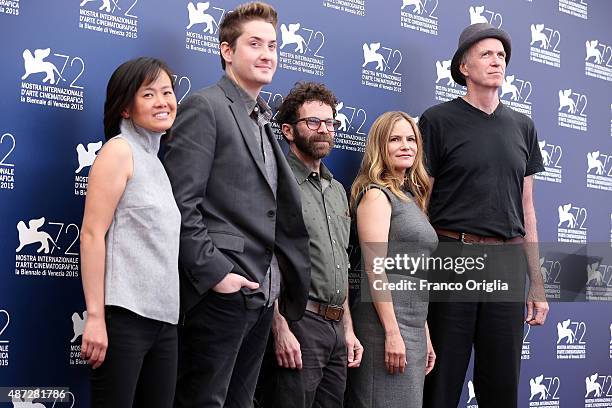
{"x": 494, "y": 330}
{"x": 221, "y": 347}
{"x": 140, "y": 365}
{"x": 321, "y": 381}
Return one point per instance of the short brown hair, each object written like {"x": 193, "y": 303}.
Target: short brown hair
{"x": 231, "y": 25}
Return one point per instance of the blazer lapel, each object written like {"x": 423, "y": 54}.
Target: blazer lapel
{"x": 246, "y": 129}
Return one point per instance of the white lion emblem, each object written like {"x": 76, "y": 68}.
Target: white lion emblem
{"x": 31, "y": 235}
{"x": 34, "y": 64}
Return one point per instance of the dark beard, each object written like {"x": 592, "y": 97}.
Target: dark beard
{"x": 307, "y": 145}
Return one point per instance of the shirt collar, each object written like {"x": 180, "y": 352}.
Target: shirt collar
{"x": 257, "y": 107}
{"x": 302, "y": 172}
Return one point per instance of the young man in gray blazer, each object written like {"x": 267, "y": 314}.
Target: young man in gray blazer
{"x": 243, "y": 239}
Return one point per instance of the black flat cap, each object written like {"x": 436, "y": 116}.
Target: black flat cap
{"x": 470, "y": 36}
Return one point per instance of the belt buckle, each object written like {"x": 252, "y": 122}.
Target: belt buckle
{"x": 464, "y": 241}
{"x": 332, "y": 312}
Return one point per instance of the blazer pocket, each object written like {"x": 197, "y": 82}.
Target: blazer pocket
{"x": 230, "y": 242}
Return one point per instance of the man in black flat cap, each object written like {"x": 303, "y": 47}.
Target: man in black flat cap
{"x": 481, "y": 157}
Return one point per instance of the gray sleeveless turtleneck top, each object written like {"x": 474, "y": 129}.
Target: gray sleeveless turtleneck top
{"x": 142, "y": 242}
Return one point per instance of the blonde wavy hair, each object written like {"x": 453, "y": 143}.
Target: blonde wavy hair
{"x": 376, "y": 167}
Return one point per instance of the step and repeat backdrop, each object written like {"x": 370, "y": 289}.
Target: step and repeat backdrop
{"x": 376, "y": 55}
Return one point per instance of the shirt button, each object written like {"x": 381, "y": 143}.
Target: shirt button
{"x": 337, "y": 266}
{"x": 329, "y": 217}
{"x": 333, "y": 241}
{"x": 338, "y": 291}
{"x": 271, "y": 213}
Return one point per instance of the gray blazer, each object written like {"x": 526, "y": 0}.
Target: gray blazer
{"x": 231, "y": 221}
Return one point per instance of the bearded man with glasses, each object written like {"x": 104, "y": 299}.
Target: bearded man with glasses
{"x": 308, "y": 359}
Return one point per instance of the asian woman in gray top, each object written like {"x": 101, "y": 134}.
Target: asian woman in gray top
{"x": 388, "y": 199}
{"x": 129, "y": 246}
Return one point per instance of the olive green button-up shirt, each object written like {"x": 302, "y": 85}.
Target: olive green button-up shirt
{"x": 325, "y": 211}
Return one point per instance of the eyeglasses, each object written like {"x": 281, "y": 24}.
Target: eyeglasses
{"x": 315, "y": 123}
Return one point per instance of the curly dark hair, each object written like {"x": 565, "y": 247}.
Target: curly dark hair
{"x": 301, "y": 93}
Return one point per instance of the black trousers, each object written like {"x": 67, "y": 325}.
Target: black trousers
{"x": 322, "y": 380}
{"x": 493, "y": 329}
{"x": 221, "y": 347}
{"x": 140, "y": 365}
{"x": 496, "y": 330}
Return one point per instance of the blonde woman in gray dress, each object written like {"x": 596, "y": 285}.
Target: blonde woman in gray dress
{"x": 388, "y": 199}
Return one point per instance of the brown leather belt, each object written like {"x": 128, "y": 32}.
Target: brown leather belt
{"x": 468, "y": 238}
{"x": 329, "y": 312}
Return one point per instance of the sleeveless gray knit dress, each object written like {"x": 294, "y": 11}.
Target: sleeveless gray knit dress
{"x": 370, "y": 386}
